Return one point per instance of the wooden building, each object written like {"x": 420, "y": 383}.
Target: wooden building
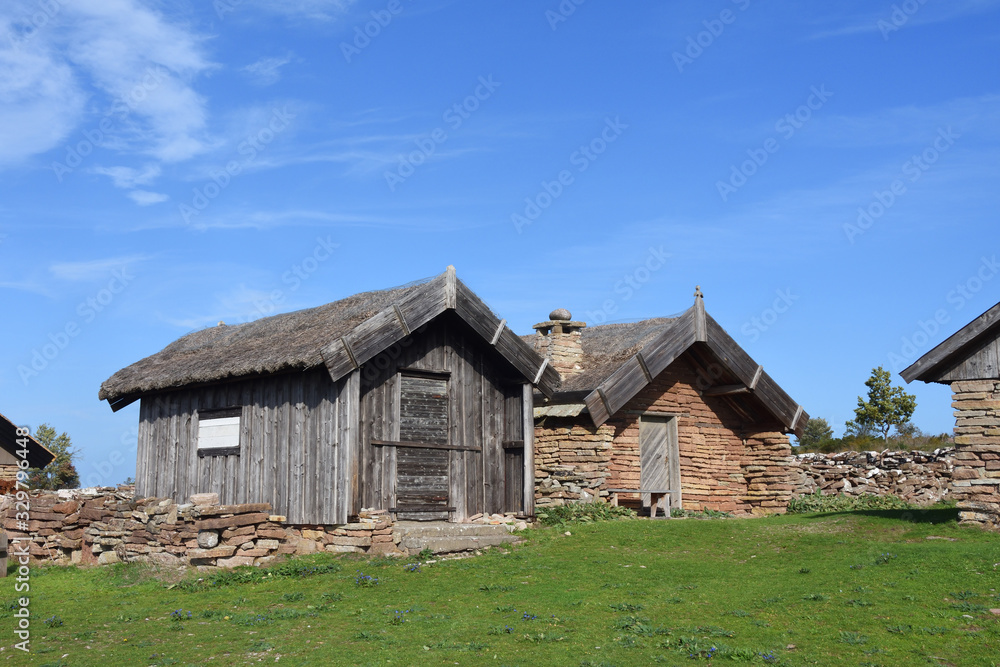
{"x": 12, "y": 446}
{"x": 969, "y": 362}
{"x": 416, "y": 399}
{"x": 665, "y": 403}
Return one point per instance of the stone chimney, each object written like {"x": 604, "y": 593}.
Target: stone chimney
{"x": 558, "y": 340}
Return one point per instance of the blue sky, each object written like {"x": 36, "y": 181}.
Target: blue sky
{"x": 827, "y": 173}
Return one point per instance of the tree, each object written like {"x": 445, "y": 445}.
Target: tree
{"x": 61, "y": 473}
{"x": 887, "y": 406}
{"x": 816, "y": 433}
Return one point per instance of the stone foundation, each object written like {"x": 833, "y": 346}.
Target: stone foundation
{"x": 109, "y": 525}
{"x": 976, "y": 477}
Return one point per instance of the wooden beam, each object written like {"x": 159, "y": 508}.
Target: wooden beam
{"x": 402, "y": 320}
{"x": 541, "y": 370}
{"x": 645, "y": 368}
{"x": 528, "y": 433}
{"x": 499, "y": 331}
{"x": 450, "y": 287}
{"x": 350, "y": 352}
{"x": 756, "y": 377}
{"x": 700, "y": 321}
{"x": 424, "y": 445}
{"x": 798, "y": 414}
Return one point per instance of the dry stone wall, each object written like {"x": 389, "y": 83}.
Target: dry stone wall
{"x": 921, "y": 478}
{"x": 110, "y": 525}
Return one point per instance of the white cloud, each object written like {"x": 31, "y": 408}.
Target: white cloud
{"x": 41, "y": 99}
{"x": 321, "y": 10}
{"x": 145, "y": 197}
{"x": 266, "y": 71}
{"x": 127, "y": 177}
{"x": 135, "y": 66}
{"x": 94, "y": 269}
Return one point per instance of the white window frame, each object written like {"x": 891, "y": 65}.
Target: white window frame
{"x": 219, "y": 431}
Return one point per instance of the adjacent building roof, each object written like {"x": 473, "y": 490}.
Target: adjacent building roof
{"x": 341, "y": 335}
{"x": 971, "y": 353}
{"x": 38, "y": 455}
{"x": 621, "y": 359}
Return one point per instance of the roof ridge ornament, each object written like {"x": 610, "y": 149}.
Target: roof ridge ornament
{"x": 697, "y": 292}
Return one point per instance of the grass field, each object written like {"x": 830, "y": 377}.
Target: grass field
{"x": 863, "y": 588}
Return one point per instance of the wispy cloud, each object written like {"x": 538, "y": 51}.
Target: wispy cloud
{"x": 127, "y": 177}
{"x": 41, "y": 98}
{"x": 130, "y": 61}
{"x": 266, "y": 71}
{"x": 94, "y": 269}
{"x": 146, "y": 198}
{"x": 927, "y": 14}
{"x": 316, "y": 10}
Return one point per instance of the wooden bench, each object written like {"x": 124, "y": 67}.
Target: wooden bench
{"x": 655, "y": 496}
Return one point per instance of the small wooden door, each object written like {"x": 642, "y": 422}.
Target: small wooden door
{"x": 422, "y": 479}
{"x": 513, "y": 450}
{"x": 659, "y": 461}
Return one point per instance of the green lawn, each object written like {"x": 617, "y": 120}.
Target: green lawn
{"x": 817, "y": 589}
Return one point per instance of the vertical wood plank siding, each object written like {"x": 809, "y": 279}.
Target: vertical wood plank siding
{"x": 305, "y": 441}
{"x": 477, "y": 378}
{"x": 288, "y": 456}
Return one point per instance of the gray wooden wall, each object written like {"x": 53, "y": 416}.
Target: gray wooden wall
{"x": 294, "y": 445}
{"x": 479, "y": 382}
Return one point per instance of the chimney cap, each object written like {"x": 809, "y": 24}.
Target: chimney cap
{"x": 560, "y": 314}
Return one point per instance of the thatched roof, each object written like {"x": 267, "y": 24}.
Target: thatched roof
{"x": 341, "y": 336}
{"x": 619, "y": 360}
{"x": 287, "y": 342}
{"x": 38, "y": 455}
{"x": 607, "y": 346}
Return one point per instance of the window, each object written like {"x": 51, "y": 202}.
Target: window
{"x": 423, "y": 406}
{"x": 219, "y": 432}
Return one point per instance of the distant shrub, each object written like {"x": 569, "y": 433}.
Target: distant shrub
{"x": 817, "y": 502}
{"x": 561, "y": 515}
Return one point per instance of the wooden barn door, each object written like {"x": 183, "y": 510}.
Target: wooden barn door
{"x": 659, "y": 462}
{"x": 421, "y": 469}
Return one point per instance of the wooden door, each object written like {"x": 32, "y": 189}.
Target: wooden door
{"x": 659, "y": 462}
{"x": 513, "y": 450}
{"x": 422, "y": 479}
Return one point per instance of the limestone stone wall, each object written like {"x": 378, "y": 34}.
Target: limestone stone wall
{"x": 572, "y": 460}
{"x": 721, "y": 469}
{"x": 921, "y": 478}
{"x": 976, "y": 478}
{"x": 109, "y": 525}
